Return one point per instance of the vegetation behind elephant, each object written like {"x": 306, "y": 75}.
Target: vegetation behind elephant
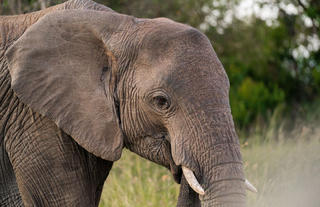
{"x": 79, "y": 82}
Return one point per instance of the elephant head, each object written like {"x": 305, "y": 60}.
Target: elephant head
{"x": 153, "y": 86}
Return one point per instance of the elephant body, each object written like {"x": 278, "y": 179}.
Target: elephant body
{"x": 61, "y": 156}
{"x": 26, "y": 135}
{"x": 79, "y": 82}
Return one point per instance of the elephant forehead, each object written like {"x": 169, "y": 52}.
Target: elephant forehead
{"x": 187, "y": 70}
{"x": 163, "y": 37}
{"x": 181, "y": 59}
{"x": 200, "y": 82}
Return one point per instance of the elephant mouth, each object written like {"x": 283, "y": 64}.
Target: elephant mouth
{"x": 176, "y": 172}
{"x": 165, "y": 147}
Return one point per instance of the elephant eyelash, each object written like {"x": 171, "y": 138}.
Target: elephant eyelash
{"x": 103, "y": 72}
{"x": 162, "y": 136}
{"x": 159, "y": 101}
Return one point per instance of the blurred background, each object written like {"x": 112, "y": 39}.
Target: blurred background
{"x": 271, "y": 52}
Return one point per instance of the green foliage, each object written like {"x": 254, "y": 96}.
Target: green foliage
{"x": 316, "y": 77}
{"x": 262, "y": 69}
{"x": 252, "y": 98}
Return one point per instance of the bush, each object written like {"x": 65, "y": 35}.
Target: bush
{"x": 252, "y": 98}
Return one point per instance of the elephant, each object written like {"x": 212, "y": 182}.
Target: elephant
{"x": 81, "y": 82}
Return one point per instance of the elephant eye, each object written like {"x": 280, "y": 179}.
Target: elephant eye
{"x": 161, "y": 102}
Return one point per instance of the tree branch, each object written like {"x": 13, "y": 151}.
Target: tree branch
{"x": 305, "y": 8}
{"x": 302, "y": 5}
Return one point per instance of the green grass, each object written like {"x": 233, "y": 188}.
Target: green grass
{"x": 286, "y": 174}
{"x": 134, "y": 181}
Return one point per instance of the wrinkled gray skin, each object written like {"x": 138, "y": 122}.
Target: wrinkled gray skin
{"x": 78, "y": 82}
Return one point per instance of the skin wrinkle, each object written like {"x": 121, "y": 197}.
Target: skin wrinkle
{"x": 6, "y": 111}
{"x": 7, "y": 177}
{"x": 191, "y": 134}
{"x": 136, "y": 122}
{"x": 52, "y": 176}
{"x": 13, "y": 104}
{"x": 141, "y": 121}
{"x": 24, "y": 148}
{"x": 225, "y": 195}
{"x": 145, "y": 122}
{"x": 5, "y": 103}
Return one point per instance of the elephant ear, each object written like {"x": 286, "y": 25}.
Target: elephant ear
{"x": 60, "y": 68}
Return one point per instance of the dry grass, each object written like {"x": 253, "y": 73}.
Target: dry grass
{"x": 286, "y": 174}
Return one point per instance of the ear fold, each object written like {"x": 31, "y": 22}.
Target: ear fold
{"x": 60, "y": 68}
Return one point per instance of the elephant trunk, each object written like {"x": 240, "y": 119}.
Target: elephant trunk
{"x": 225, "y": 193}
{"x": 226, "y": 201}
{"x": 214, "y": 160}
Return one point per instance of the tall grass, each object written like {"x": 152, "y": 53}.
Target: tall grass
{"x": 286, "y": 173}
{"x": 134, "y": 181}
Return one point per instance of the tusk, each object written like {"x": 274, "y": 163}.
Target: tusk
{"x": 192, "y": 180}
{"x": 250, "y": 187}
